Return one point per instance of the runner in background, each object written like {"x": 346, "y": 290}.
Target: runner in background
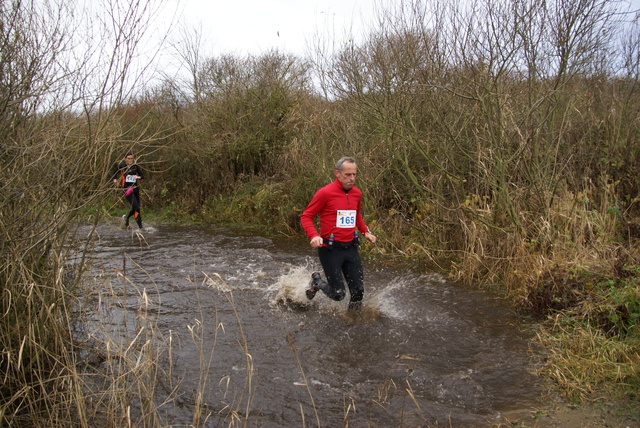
{"x": 126, "y": 176}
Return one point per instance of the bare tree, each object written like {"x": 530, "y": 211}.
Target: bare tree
{"x": 65, "y": 68}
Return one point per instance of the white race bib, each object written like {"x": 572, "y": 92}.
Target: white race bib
{"x": 130, "y": 178}
{"x": 346, "y": 218}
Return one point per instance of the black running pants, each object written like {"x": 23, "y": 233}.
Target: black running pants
{"x": 337, "y": 263}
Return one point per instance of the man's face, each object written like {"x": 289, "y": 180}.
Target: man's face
{"x": 129, "y": 159}
{"x": 347, "y": 175}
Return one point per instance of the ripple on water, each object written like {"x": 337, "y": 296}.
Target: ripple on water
{"x": 419, "y": 352}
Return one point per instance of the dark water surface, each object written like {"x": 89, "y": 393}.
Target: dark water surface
{"x": 231, "y": 308}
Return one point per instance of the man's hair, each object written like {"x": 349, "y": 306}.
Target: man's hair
{"x": 343, "y": 160}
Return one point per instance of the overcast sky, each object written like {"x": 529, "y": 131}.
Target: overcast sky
{"x": 255, "y": 26}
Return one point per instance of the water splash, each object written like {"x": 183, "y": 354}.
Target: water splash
{"x": 291, "y": 288}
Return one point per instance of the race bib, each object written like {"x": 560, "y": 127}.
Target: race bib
{"x": 130, "y": 178}
{"x": 346, "y": 218}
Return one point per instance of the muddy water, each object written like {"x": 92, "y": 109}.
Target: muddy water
{"x": 243, "y": 337}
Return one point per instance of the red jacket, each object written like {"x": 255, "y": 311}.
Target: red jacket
{"x": 327, "y": 202}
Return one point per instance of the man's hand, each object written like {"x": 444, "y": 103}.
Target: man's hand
{"x": 316, "y": 242}
{"x": 370, "y": 237}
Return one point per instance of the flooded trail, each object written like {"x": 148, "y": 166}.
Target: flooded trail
{"x": 241, "y": 335}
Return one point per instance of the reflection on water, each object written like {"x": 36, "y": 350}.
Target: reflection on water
{"x": 241, "y": 333}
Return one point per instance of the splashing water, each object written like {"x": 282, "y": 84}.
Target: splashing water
{"x": 419, "y": 352}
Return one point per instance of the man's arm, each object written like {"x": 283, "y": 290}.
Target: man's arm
{"x": 310, "y": 213}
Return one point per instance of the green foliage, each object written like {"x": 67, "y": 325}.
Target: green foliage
{"x": 593, "y": 343}
{"x": 621, "y": 308}
{"x": 248, "y": 106}
{"x": 263, "y": 205}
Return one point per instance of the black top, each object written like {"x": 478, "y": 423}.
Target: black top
{"x": 125, "y": 174}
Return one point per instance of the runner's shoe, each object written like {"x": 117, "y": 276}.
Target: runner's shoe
{"x": 311, "y": 293}
{"x": 315, "y": 279}
{"x": 125, "y": 220}
{"x": 355, "y": 306}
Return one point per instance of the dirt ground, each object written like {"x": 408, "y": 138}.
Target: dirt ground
{"x": 590, "y": 415}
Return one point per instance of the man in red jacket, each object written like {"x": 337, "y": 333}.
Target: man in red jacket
{"x": 338, "y": 205}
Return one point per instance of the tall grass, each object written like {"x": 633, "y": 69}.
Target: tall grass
{"x": 42, "y": 194}
{"x": 128, "y": 373}
{"x": 58, "y": 140}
